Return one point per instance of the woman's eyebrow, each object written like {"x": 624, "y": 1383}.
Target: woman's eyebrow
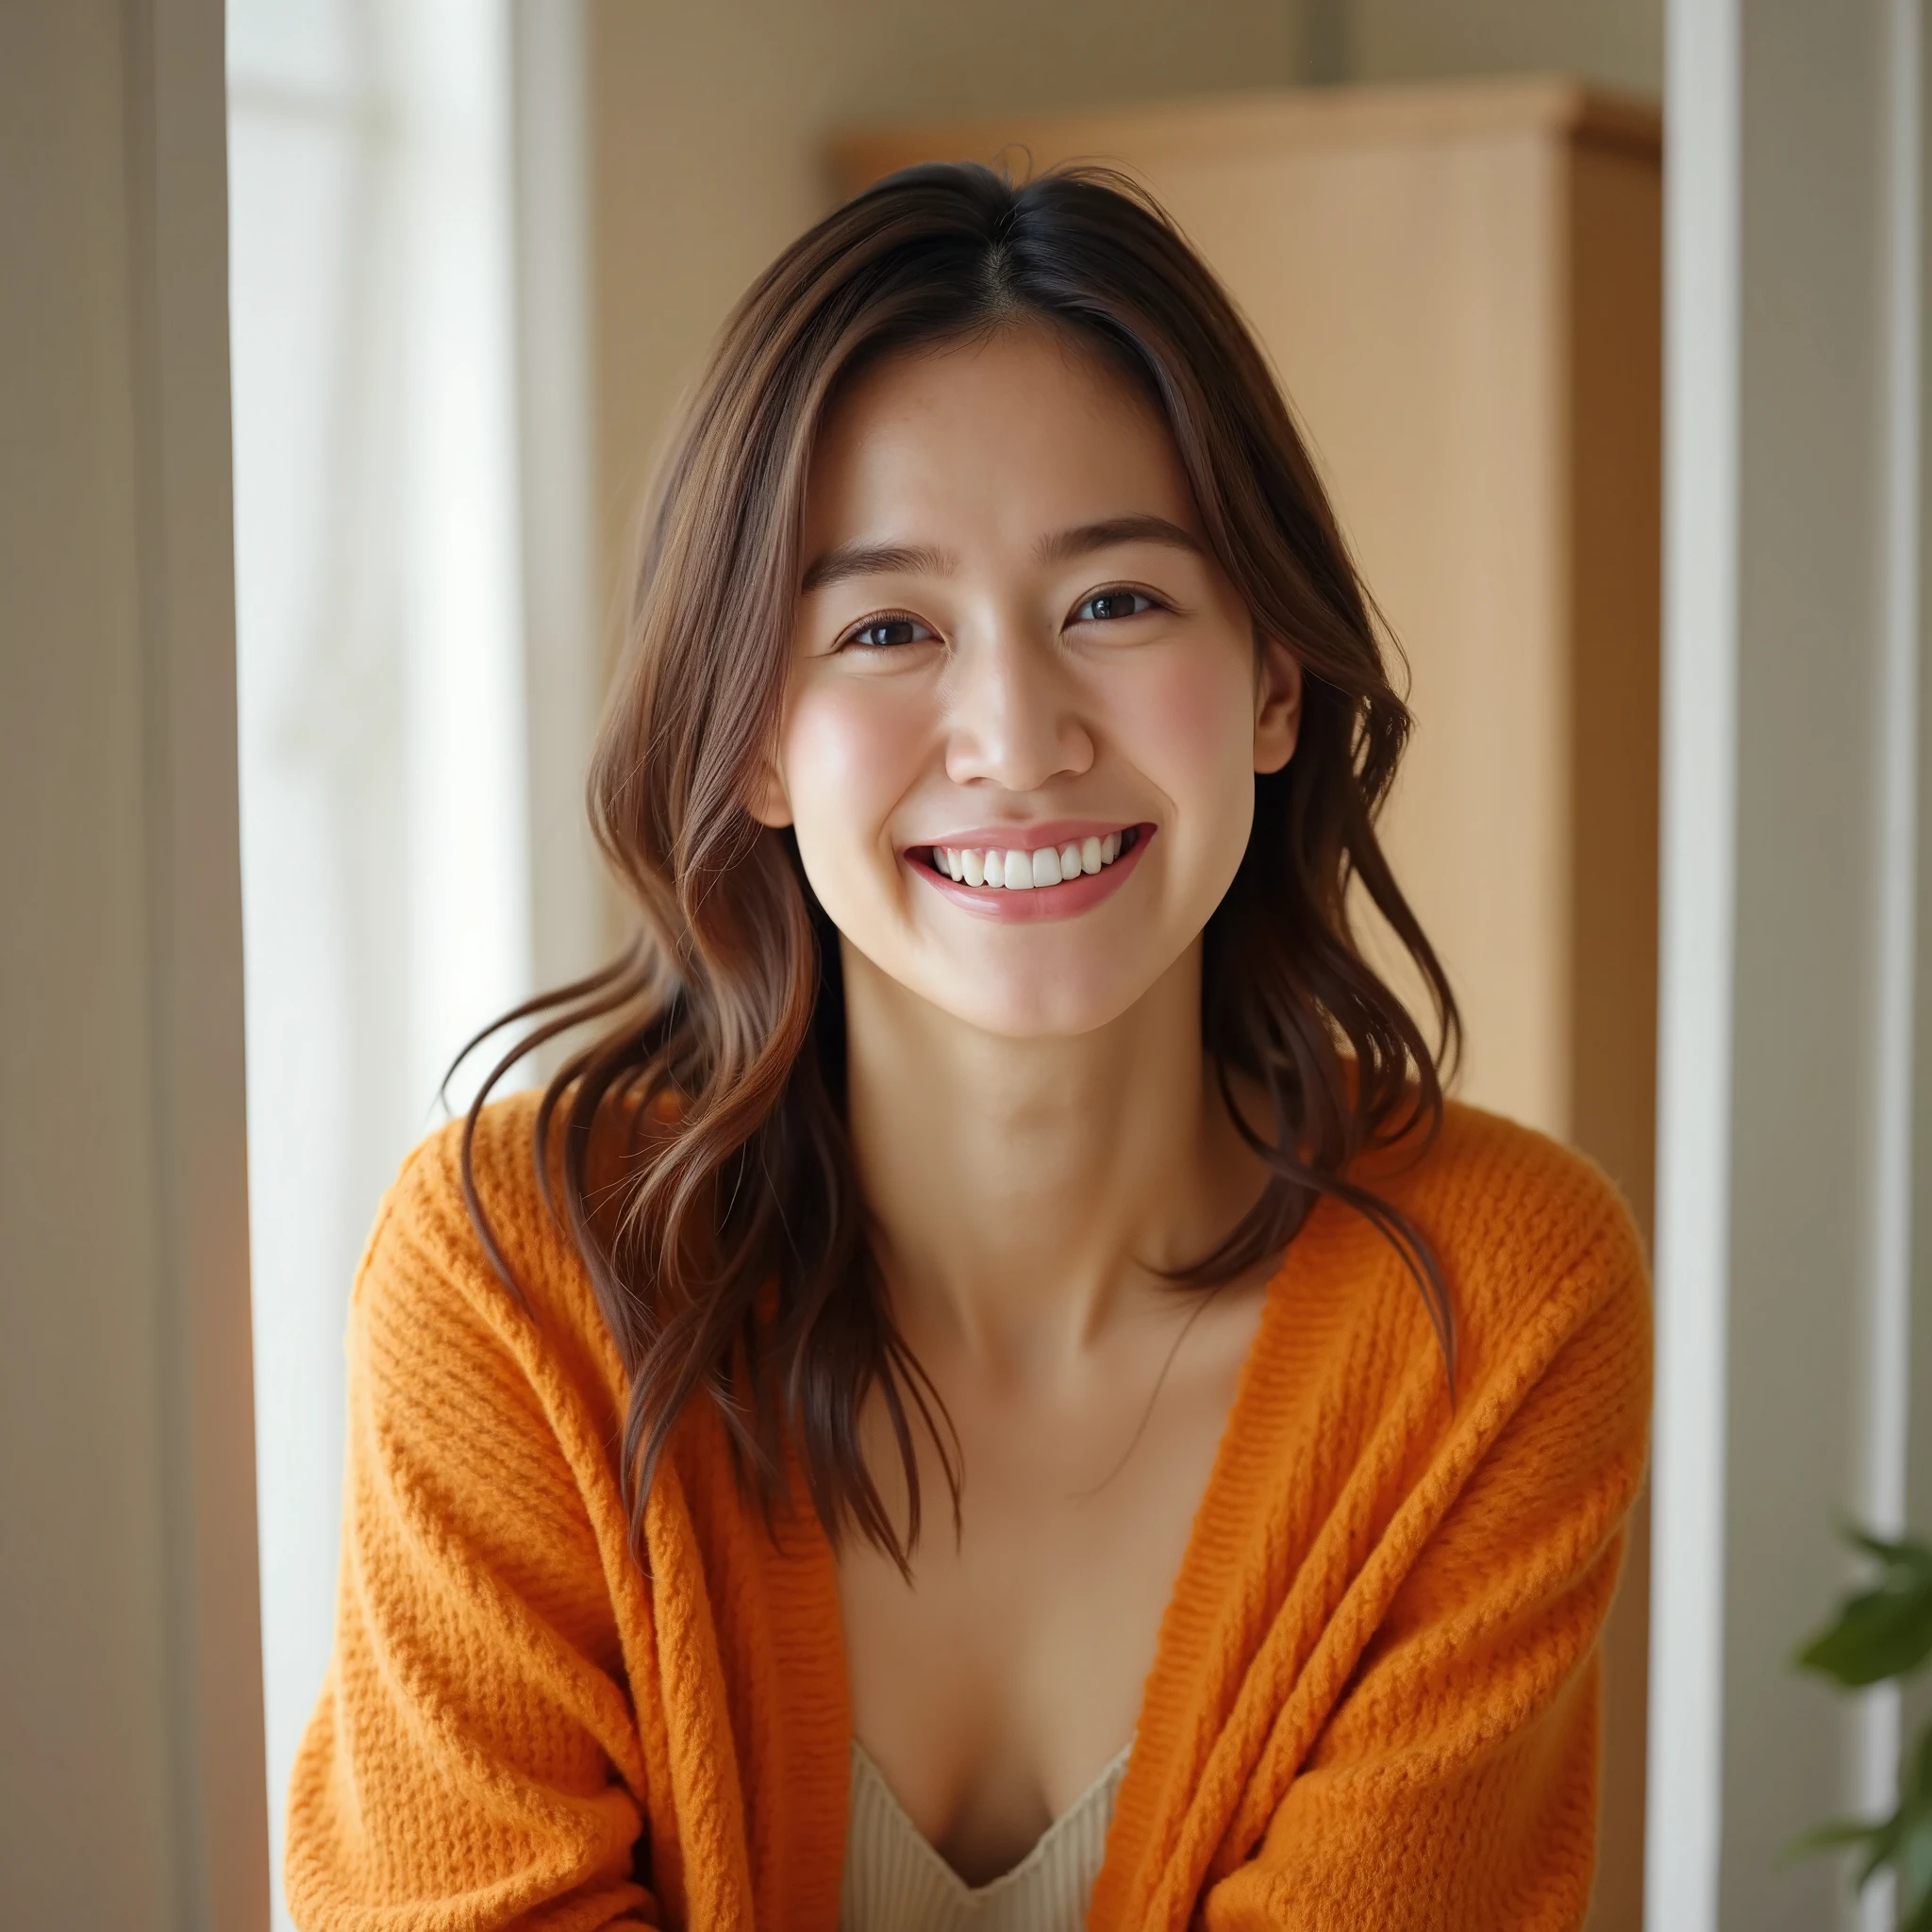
{"x": 1080, "y": 541}
{"x": 880, "y": 559}
{"x": 876, "y": 559}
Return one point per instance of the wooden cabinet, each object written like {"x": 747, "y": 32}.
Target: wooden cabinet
{"x": 1461, "y": 289}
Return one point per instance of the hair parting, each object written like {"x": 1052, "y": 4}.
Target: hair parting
{"x": 695, "y": 1149}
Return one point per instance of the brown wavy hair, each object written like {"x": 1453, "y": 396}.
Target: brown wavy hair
{"x": 731, "y": 1257}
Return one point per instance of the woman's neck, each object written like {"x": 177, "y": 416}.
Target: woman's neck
{"x": 1022, "y": 1192}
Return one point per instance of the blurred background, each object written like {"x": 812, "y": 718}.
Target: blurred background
{"x": 337, "y": 341}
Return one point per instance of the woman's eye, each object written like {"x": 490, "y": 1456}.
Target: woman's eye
{"x": 888, "y": 633}
{"x": 1105, "y": 605}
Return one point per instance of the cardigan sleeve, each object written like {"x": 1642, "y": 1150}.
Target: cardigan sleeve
{"x": 1454, "y": 1786}
{"x": 472, "y": 1763}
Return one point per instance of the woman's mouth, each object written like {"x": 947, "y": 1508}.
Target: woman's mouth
{"x": 1016, "y": 869}
{"x": 1066, "y": 871}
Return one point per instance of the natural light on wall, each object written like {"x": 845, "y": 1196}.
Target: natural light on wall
{"x": 382, "y": 671}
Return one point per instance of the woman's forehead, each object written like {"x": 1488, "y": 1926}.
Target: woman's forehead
{"x": 1029, "y": 423}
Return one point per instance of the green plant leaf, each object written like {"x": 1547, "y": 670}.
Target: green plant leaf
{"x": 1834, "y": 1836}
{"x": 1883, "y": 1850}
{"x": 1878, "y": 1838}
{"x": 1914, "y": 1863}
{"x": 1913, "y": 1853}
{"x": 1882, "y": 1632}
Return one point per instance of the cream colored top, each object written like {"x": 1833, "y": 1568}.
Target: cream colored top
{"x": 896, "y": 1882}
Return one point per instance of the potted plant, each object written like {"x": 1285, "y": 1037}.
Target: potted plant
{"x": 1884, "y": 1632}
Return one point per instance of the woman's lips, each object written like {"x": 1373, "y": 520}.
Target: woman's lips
{"x": 1063, "y": 900}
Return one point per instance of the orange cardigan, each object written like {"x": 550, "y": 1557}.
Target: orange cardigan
{"x": 1375, "y": 1702}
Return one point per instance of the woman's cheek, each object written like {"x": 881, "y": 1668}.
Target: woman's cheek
{"x": 1193, "y": 721}
{"x": 850, "y": 753}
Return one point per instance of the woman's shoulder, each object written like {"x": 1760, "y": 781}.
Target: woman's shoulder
{"x": 470, "y": 1241}
{"x": 1527, "y": 1234}
{"x": 462, "y": 1172}
{"x": 1484, "y": 1172}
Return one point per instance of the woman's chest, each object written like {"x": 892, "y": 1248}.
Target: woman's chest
{"x": 994, "y": 1685}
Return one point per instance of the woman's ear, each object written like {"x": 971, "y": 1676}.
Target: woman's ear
{"x": 768, "y": 802}
{"x": 1277, "y": 706}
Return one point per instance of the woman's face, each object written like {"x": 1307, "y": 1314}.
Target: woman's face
{"x": 1025, "y": 705}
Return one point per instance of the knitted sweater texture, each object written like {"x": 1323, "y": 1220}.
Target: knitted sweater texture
{"x": 1375, "y": 1700}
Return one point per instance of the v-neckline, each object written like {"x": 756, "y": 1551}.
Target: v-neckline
{"x": 1212, "y": 1584}
{"x": 865, "y": 1765}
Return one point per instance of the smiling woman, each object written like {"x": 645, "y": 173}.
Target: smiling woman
{"x": 995, "y": 1105}
{"x": 1069, "y": 663}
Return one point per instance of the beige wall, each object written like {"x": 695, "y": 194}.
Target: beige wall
{"x": 130, "y": 1679}
{"x": 709, "y": 126}
{"x": 1616, "y": 43}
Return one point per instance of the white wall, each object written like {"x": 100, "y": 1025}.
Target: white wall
{"x": 1791, "y": 805}
{"x": 383, "y": 680}
{"x": 130, "y": 1777}
{"x": 570, "y": 928}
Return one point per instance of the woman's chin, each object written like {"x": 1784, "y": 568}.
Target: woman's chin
{"x": 1024, "y": 1008}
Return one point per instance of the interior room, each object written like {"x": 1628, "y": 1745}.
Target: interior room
{"x": 343, "y": 346}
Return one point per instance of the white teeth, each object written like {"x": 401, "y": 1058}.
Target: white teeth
{"x": 1018, "y": 872}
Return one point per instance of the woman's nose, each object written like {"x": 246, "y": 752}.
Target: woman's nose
{"x": 1013, "y": 712}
